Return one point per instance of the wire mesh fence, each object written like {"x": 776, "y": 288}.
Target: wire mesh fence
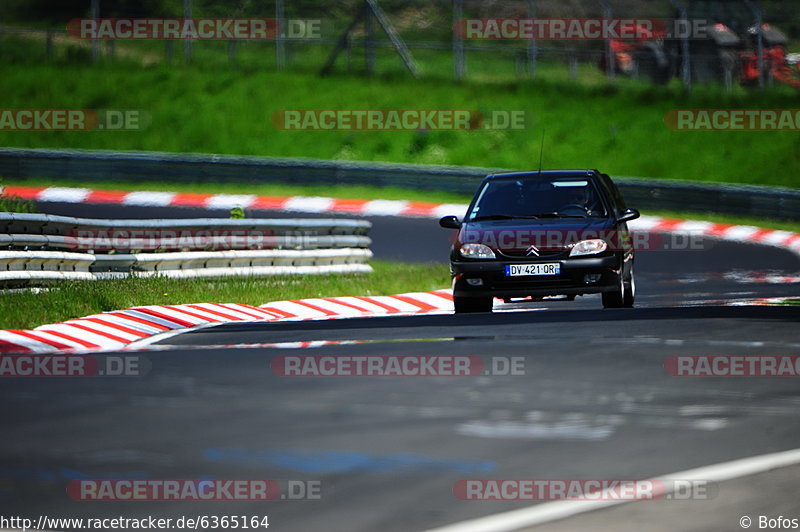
{"x": 309, "y": 31}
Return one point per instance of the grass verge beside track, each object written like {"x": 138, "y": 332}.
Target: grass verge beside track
{"x": 205, "y": 109}
{"x": 22, "y": 310}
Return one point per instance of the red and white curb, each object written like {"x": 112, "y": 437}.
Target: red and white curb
{"x": 123, "y": 328}
{"x": 301, "y": 204}
{"x": 416, "y": 209}
{"x": 735, "y": 233}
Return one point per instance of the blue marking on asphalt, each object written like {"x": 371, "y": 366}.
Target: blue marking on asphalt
{"x": 347, "y": 461}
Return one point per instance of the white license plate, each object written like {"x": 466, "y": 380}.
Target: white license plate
{"x": 550, "y": 268}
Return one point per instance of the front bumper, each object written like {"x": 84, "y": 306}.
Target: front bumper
{"x": 570, "y": 281}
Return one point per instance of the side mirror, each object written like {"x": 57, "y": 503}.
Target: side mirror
{"x": 450, "y": 222}
{"x": 628, "y": 215}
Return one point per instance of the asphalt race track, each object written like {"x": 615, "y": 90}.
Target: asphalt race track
{"x": 594, "y": 402}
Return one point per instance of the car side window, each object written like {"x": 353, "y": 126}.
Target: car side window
{"x": 613, "y": 195}
{"x": 617, "y": 194}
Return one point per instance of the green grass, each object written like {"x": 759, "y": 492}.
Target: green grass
{"x": 11, "y": 203}
{"x": 20, "y": 310}
{"x": 210, "y": 108}
{"x": 15, "y": 204}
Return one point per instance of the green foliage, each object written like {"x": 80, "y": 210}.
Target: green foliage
{"x": 619, "y": 130}
{"x": 11, "y": 203}
{"x": 209, "y": 107}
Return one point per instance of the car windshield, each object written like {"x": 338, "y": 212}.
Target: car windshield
{"x": 538, "y": 197}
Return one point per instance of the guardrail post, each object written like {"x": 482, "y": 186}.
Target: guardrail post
{"x": 728, "y": 77}
{"x": 573, "y": 67}
{"x": 611, "y": 60}
{"x": 759, "y": 21}
{"x": 95, "y": 13}
{"x": 686, "y": 58}
{"x": 49, "y": 44}
{"x": 280, "y": 45}
{"x": 187, "y": 43}
{"x": 532, "y": 46}
{"x": 458, "y": 40}
{"x": 369, "y": 40}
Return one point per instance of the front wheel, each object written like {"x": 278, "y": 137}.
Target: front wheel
{"x": 624, "y": 295}
{"x": 464, "y": 305}
{"x": 630, "y": 291}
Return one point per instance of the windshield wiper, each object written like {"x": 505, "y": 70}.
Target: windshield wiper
{"x": 503, "y": 217}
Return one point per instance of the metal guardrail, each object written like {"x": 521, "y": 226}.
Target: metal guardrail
{"x": 234, "y": 263}
{"x": 204, "y": 247}
{"x": 48, "y": 224}
{"x": 21, "y": 266}
{"x": 25, "y": 267}
{"x": 45, "y": 231}
{"x": 134, "y": 243}
{"x": 642, "y": 193}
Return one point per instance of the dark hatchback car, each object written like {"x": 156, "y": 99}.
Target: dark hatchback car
{"x": 538, "y": 234}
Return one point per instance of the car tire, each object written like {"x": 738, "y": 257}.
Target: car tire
{"x": 630, "y": 291}
{"x": 615, "y": 299}
{"x": 624, "y": 296}
{"x": 465, "y": 305}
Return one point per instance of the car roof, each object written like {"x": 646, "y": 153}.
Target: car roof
{"x": 533, "y": 174}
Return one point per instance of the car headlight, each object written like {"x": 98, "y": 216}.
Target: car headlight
{"x": 476, "y": 251}
{"x": 588, "y": 247}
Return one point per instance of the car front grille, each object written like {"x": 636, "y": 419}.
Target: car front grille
{"x": 523, "y": 254}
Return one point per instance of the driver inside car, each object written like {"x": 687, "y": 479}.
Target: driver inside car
{"x": 580, "y": 197}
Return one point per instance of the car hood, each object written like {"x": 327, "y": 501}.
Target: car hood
{"x": 553, "y": 234}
